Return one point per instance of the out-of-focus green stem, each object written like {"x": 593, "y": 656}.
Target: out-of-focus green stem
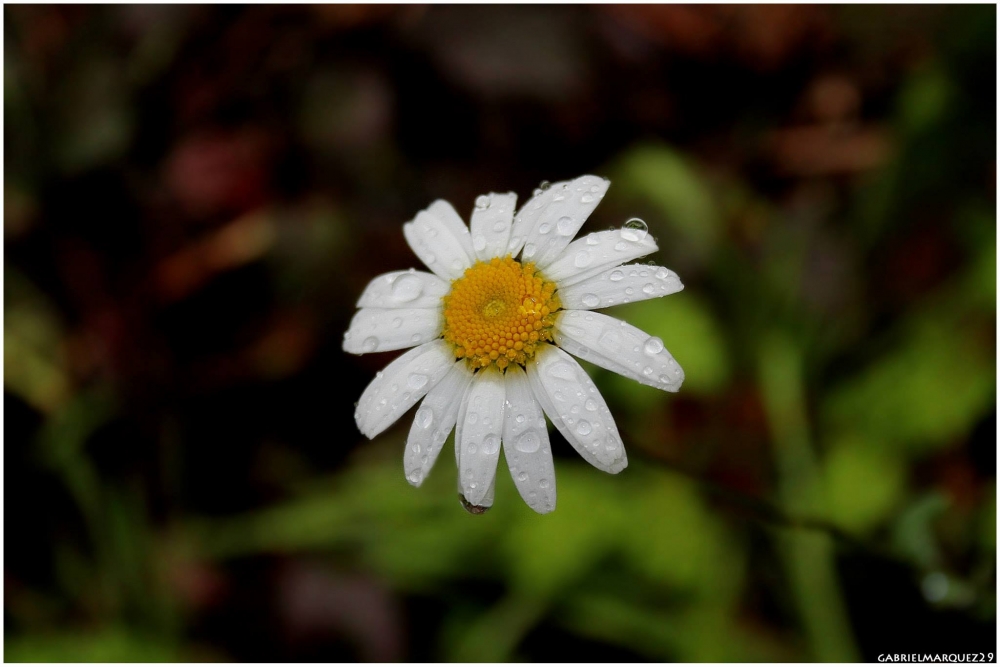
{"x": 808, "y": 555}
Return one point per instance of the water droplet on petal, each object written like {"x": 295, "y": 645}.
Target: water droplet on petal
{"x": 653, "y": 346}
{"x": 369, "y": 344}
{"x": 522, "y": 476}
{"x": 529, "y": 249}
{"x": 500, "y": 226}
{"x": 415, "y": 338}
{"x": 662, "y": 273}
{"x": 479, "y": 242}
{"x": 648, "y": 288}
{"x": 610, "y": 340}
{"x": 616, "y": 275}
{"x": 424, "y": 417}
{"x": 590, "y": 300}
{"x": 543, "y": 483}
{"x": 416, "y": 381}
{"x": 528, "y": 442}
{"x": 621, "y": 245}
{"x": 414, "y": 477}
{"x": 634, "y": 230}
{"x": 544, "y": 228}
{"x": 470, "y": 508}
{"x": 519, "y": 419}
{"x": 582, "y": 259}
{"x": 544, "y": 185}
{"x": 586, "y": 199}
{"x": 491, "y": 444}
{"x": 482, "y": 201}
{"x": 397, "y": 322}
{"x": 583, "y": 428}
{"x": 591, "y": 405}
{"x": 565, "y": 226}
{"x": 406, "y": 288}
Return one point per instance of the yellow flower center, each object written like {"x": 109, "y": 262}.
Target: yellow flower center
{"x": 498, "y": 311}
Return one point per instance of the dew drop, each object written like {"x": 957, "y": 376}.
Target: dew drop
{"x": 519, "y": 419}
{"x": 648, "y": 370}
{"x": 424, "y": 417}
{"x": 500, "y": 226}
{"x": 590, "y": 300}
{"x": 479, "y": 242}
{"x": 482, "y": 201}
{"x": 634, "y": 230}
{"x": 648, "y": 288}
{"x": 414, "y": 477}
{"x": 415, "y": 338}
{"x": 653, "y": 346}
{"x": 491, "y": 444}
{"x": 406, "y": 288}
{"x": 543, "y": 483}
{"x": 416, "y": 381}
{"x": 544, "y": 185}
{"x": 528, "y": 442}
{"x": 662, "y": 273}
{"x": 592, "y": 239}
{"x": 587, "y": 198}
{"x": 522, "y": 476}
{"x": 621, "y": 245}
{"x": 582, "y": 259}
{"x": 396, "y": 323}
{"x": 591, "y": 405}
{"x": 583, "y": 428}
{"x": 616, "y": 275}
{"x": 472, "y": 418}
{"x": 610, "y": 340}
{"x": 565, "y": 226}
{"x": 529, "y": 249}
{"x": 369, "y": 344}
{"x": 470, "y": 508}
{"x": 544, "y": 228}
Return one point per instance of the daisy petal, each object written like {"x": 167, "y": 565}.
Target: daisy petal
{"x": 438, "y": 245}
{"x": 550, "y": 219}
{"x": 447, "y": 214}
{"x": 619, "y": 347}
{"x": 598, "y": 252}
{"x": 401, "y": 384}
{"x": 404, "y": 289}
{"x": 480, "y": 425}
{"x": 622, "y": 284}
{"x": 433, "y": 422}
{"x": 573, "y": 404}
{"x": 526, "y": 443}
{"x": 382, "y": 330}
{"x": 491, "y": 222}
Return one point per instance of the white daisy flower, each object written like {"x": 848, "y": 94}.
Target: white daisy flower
{"x": 491, "y": 328}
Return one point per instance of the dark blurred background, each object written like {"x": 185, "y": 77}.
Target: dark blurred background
{"x": 194, "y": 198}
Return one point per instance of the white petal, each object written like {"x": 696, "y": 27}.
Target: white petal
{"x": 433, "y": 422}
{"x": 526, "y": 443}
{"x": 576, "y": 408}
{"x": 619, "y": 347}
{"x": 404, "y": 289}
{"x": 382, "y": 330}
{"x": 478, "y": 433}
{"x": 447, "y": 214}
{"x": 598, "y": 252}
{"x": 491, "y": 222}
{"x": 622, "y": 284}
{"x": 565, "y": 207}
{"x": 401, "y": 384}
{"x": 438, "y": 245}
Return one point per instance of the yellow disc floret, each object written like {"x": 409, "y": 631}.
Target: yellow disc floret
{"x": 498, "y": 311}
